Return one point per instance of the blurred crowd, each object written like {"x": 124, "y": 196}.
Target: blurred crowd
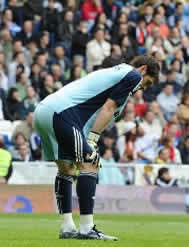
{"x": 46, "y": 44}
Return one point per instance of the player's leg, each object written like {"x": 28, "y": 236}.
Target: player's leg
{"x": 86, "y": 190}
{"x": 63, "y": 191}
{"x": 43, "y": 122}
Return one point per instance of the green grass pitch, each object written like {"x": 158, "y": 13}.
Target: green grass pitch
{"x": 41, "y": 230}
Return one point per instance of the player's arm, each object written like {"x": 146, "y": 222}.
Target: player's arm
{"x": 103, "y": 118}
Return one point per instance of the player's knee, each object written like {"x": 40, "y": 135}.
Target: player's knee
{"x": 66, "y": 169}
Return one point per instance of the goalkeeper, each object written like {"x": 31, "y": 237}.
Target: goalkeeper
{"x": 70, "y": 122}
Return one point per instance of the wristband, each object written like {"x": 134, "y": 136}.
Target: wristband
{"x": 93, "y": 136}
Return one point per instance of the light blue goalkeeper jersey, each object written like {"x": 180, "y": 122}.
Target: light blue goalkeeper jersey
{"x": 80, "y": 101}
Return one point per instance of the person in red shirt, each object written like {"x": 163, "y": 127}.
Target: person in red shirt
{"x": 139, "y": 104}
{"x": 157, "y": 22}
{"x": 90, "y": 9}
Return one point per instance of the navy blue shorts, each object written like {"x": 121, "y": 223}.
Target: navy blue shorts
{"x": 72, "y": 145}
{"x": 60, "y": 139}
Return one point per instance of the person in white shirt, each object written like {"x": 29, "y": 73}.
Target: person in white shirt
{"x": 97, "y": 50}
{"x": 152, "y": 124}
{"x": 168, "y": 101}
{"x": 146, "y": 146}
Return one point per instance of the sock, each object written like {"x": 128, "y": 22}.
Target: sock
{"x": 63, "y": 191}
{"x": 68, "y": 224}
{"x": 86, "y": 223}
{"x": 86, "y": 188}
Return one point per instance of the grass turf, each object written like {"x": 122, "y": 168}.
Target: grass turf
{"x": 41, "y": 230}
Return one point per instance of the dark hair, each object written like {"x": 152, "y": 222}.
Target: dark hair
{"x": 185, "y": 96}
{"x": 186, "y": 138}
{"x": 178, "y": 4}
{"x": 152, "y": 65}
{"x": 162, "y": 171}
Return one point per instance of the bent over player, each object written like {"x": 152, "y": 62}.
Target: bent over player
{"x": 70, "y": 122}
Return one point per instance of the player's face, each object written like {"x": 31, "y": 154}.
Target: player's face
{"x": 148, "y": 81}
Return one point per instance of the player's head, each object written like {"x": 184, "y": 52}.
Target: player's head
{"x": 149, "y": 69}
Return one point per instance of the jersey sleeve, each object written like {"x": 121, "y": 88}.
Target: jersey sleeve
{"x": 127, "y": 85}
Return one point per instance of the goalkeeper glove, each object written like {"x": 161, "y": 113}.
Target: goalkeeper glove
{"x": 92, "y": 142}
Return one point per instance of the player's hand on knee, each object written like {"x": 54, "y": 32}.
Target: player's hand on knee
{"x": 94, "y": 158}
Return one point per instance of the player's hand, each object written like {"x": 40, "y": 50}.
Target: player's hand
{"x": 94, "y": 158}
{"x": 92, "y": 140}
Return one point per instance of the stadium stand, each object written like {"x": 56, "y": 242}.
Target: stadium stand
{"x": 45, "y": 44}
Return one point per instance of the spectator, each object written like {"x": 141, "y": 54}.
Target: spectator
{"x": 76, "y": 73}
{"x": 22, "y": 84}
{"x": 141, "y": 33}
{"x": 172, "y": 129}
{"x": 66, "y": 29}
{"x": 148, "y": 14}
{"x": 146, "y": 146}
{"x": 19, "y": 140}
{"x": 109, "y": 142}
{"x": 174, "y": 154}
{"x": 168, "y": 101}
{"x": 61, "y": 59}
{"x": 155, "y": 108}
{"x": 6, "y": 45}
{"x": 90, "y": 9}
{"x": 23, "y": 153}
{"x": 8, "y": 22}
{"x": 168, "y": 6}
{"x": 128, "y": 48}
{"x": 178, "y": 14}
{"x": 183, "y": 110}
{"x": 152, "y": 124}
{"x": 158, "y": 22}
{"x": 97, "y": 50}
{"x": 48, "y": 86}
{"x": 25, "y": 127}
{"x": 163, "y": 156}
{"x": 44, "y": 42}
{"x": 140, "y": 104}
{"x": 58, "y": 76}
{"x": 80, "y": 39}
{"x": 128, "y": 116}
{"x": 30, "y": 101}
{"x": 5, "y": 163}
{"x": 173, "y": 42}
{"x": 51, "y": 17}
{"x": 100, "y": 23}
{"x": 14, "y": 105}
{"x": 19, "y": 60}
{"x": 78, "y": 61}
{"x": 164, "y": 179}
{"x": 126, "y": 143}
{"x": 177, "y": 68}
{"x": 16, "y": 7}
{"x": 41, "y": 60}
{"x": 27, "y": 34}
{"x": 31, "y": 52}
{"x": 35, "y": 76}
